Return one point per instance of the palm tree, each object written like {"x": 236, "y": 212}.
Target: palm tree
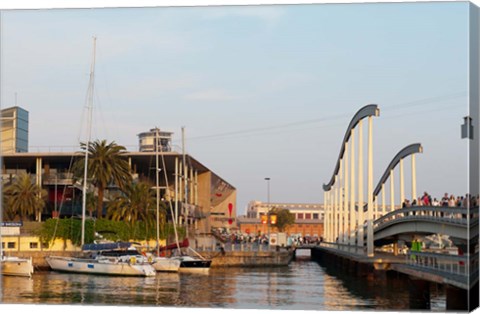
{"x": 91, "y": 203}
{"x": 106, "y": 164}
{"x": 8, "y": 212}
{"x": 25, "y": 198}
{"x": 134, "y": 204}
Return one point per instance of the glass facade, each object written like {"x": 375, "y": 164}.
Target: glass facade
{"x": 14, "y": 122}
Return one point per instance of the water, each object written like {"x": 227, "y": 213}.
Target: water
{"x": 303, "y": 285}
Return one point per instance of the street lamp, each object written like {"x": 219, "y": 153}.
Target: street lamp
{"x": 268, "y": 210}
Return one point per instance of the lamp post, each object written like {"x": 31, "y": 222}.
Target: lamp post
{"x": 268, "y": 211}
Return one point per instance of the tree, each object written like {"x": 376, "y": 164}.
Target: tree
{"x": 8, "y": 212}
{"x": 106, "y": 164}
{"x": 91, "y": 203}
{"x": 135, "y": 203}
{"x": 284, "y": 218}
{"x": 25, "y": 198}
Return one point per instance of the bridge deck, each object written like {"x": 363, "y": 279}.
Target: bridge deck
{"x": 402, "y": 264}
{"x": 356, "y": 254}
{"x": 456, "y": 280}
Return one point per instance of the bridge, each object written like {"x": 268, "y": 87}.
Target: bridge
{"x": 358, "y": 223}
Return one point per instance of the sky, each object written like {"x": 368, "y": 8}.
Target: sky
{"x": 263, "y": 91}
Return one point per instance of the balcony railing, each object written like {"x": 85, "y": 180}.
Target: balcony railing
{"x": 64, "y": 178}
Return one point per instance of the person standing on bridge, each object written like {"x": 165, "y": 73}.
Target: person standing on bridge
{"x": 426, "y": 199}
{"x": 451, "y": 201}
{"x": 444, "y": 201}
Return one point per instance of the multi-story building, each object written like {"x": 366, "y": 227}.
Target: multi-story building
{"x": 300, "y": 210}
{"x": 308, "y": 218}
{"x": 14, "y": 131}
{"x": 147, "y": 143}
{"x": 202, "y": 197}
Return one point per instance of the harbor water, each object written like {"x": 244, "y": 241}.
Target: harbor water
{"x": 303, "y": 285}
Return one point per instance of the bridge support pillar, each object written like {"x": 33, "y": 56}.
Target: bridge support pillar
{"x": 457, "y": 299}
{"x": 473, "y": 298}
{"x": 395, "y": 248}
{"x": 352, "y": 267}
{"x": 363, "y": 269}
{"x": 418, "y": 294}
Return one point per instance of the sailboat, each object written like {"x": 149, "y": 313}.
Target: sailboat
{"x": 160, "y": 263}
{"x": 189, "y": 263}
{"x": 116, "y": 258}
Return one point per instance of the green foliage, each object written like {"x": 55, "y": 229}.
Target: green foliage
{"x": 24, "y": 198}
{"x": 70, "y": 229}
{"x": 66, "y": 229}
{"x": 106, "y": 164}
{"x": 135, "y": 203}
{"x": 284, "y": 218}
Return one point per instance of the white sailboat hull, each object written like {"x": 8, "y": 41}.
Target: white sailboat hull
{"x": 14, "y": 266}
{"x": 165, "y": 264}
{"x": 100, "y": 266}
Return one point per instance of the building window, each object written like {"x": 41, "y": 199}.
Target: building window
{"x": 3, "y": 245}
{"x": 300, "y": 216}
{"x": 308, "y": 216}
{"x": 45, "y": 245}
{"x": 34, "y": 245}
{"x": 11, "y": 245}
{"x": 315, "y": 216}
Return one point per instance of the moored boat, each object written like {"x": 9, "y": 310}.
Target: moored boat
{"x": 166, "y": 264}
{"x": 118, "y": 259}
{"x": 15, "y": 266}
{"x": 115, "y": 258}
{"x": 191, "y": 264}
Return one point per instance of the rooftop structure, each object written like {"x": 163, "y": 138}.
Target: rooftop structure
{"x": 147, "y": 143}
{"x": 14, "y": 130}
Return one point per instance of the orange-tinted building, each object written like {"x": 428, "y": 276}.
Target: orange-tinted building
{"x": 308, "y": 218}
{"x": 303, "y": 227}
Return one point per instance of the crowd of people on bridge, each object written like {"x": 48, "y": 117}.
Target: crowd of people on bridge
{"x": 225, "y": 236}
{"x": 446, "y": 201}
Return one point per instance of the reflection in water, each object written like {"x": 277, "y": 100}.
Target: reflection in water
{"x": 303, "y": 285}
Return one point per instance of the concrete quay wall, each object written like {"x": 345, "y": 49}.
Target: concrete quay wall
{"x": 249, "y": 259}
{"x": 219, "y": 259}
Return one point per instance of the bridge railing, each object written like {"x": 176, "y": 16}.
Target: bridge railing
{"x": 344, "y": 247}
{"x": 454, "y": 215}
{"x": 463, "y": 267}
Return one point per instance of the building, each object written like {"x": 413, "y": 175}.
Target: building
{"x": 301, "y": 210}
{"x": 147, "y": 143}
{"x": 14, "y": 134}
{"x": 204, "y": 199}
{"x": 308, "y": 218}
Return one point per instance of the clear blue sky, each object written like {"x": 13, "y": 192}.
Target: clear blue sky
{"x": 263, "y": 91}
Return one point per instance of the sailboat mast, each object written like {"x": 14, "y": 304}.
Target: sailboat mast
{"x": 157, "y": 189}
{"x": 185, "y": 180}
{"x": 89, "y": 107}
